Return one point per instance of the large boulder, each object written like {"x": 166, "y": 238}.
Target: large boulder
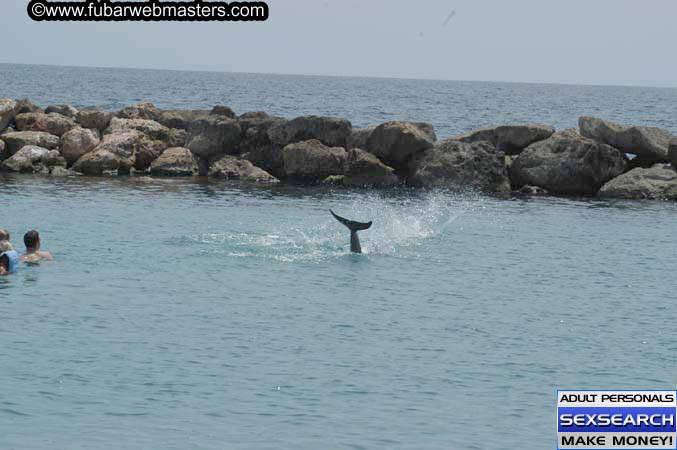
{"x": 154, "y": 130}
{"x": 359, "y": 137}
{"x": 175, "y": 162}
{"x": 656, "y": 182}
{"x": 648, "y": 143}
{"x": 180, "y": 119}
{"x": 395, "y": 143}
{"x": 364, "y": 169}
{"x": 16, "y": 140}
{"x": 3, "y": 154}
{"x": 233, "y": 168}
{"x": 312, "y": 160}
{"x": 33, "y": 159}
{"x": 7, "y": 112}
{"x": 27, "y": 106}
{"x": 143, "y": 110}
{"x": 116, "y": 153}
{"x": 673, "y": 152}
{"x": 100, "y": 162}
{"x": 331, "y": 131}
{"x": 64, "y": 110}
{"x": 255, "y": 144}
{"x": 52, "y": 123}
{"x": 146, "y": 154}
{"x": 567, "y": 163}
{"x": 213, "y": 136}
{"x": 511, "y": 139}
{"x": 94, "y": 118}
{"x": 461, "y": 165}
{"x": 76, "y": 143}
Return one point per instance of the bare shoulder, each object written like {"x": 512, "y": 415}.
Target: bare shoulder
{"x": 46, "y": 256}
{"x": 28, "y": 258}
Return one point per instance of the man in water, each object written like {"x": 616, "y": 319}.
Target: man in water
{"x": 33, "y": 253}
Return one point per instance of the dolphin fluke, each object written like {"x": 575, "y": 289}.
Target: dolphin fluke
{"x": 354, "y": 227}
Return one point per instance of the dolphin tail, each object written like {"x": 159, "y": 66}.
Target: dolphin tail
{"x": 352, "y": 225}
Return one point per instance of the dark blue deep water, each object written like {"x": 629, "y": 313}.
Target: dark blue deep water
{"x": 184, "y": 314}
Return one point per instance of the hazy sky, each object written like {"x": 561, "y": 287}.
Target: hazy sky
{"x": 562, "y": 41}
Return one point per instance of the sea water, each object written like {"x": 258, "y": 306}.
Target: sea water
{"x": 208, "y": 315}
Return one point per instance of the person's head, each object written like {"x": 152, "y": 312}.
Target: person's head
{"x": 32, "y": 240}
{"x": 4, "y": 235}
{"x": 5, "y": 246}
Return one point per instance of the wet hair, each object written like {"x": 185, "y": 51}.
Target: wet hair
{"x": 31, "y": 239}
{"x": 4, "y": 262}
{"x": 4, "y": 235}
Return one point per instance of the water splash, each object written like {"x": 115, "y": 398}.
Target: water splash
{"x": 400, "y": 224}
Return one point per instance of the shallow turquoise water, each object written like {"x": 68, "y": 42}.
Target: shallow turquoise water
{"x": 181, "y": 314}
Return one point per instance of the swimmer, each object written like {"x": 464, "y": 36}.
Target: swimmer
{"x": 4, "y": 235}
{"x": 33, "y": 253}
{"x": 9, "y": 258}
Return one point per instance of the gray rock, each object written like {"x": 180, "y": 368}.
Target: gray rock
{"x": 223, "y": 111}
{"x": 312, "y": 160}
{"x": 64, "y": 110}
{"x": 254, "y": 115}
{"x": 16, "y": 140}
{"x": 334, "y": 180}
{"x": 530, "y": 191}
{"x": 60, "y": 171}
{"x": 567, "y": 163}
{"x": 27, "y": 106}
{"x": 180, "y": 119}
{"x": 33, "y": 159}
{"x": 177, "y": 137}
{"x": 233, "y": 168}
{"x": 52, "y": 123}
{"x": 143, "y": 110}
{"x": 256, "y": 146}
{"x": 359, "y": 137}
{"x": 364, "y": 169}
{"x": 673, "y": 152}
{"x": 511, "y": 139}
{"x": 3, "y": 155}
{"x": 648, "y": 143}
{"x": 116, "y": 153}
{"x": 100, "y": 162}
{"x": 656, "y": 182}
{"x": 7, "y": 112}
{"x": 213, "y": 136}
{"x": 461, "y": 165}
{"x": 330, "y": 131}
{"x": 96, "y": 118}
{"x": 146, "y": 155}
{"x": 152, "y": 129}
{"x": 427, "y": 129}
{"x": 175, "y": 162}
{"x": 395, "y": 142}
{"x": 76, "y": 143}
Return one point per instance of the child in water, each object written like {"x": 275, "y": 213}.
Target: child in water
{"x": 9, "y": 258}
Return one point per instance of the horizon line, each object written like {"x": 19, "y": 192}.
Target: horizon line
{"x": 336, "y": 76}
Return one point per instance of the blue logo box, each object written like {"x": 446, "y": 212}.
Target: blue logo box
{"x": 616, "y": 420}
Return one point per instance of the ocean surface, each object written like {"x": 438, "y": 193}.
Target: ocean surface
{"x": 188, "y": 314}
